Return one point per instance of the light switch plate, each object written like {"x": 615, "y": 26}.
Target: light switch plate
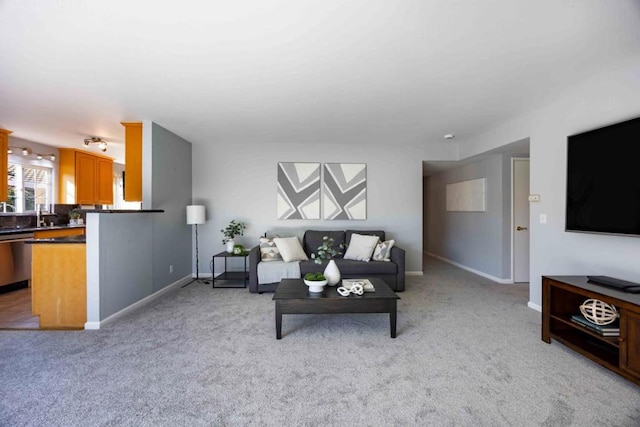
{"x": 543, "y": 218}
{"x": 534, "y": 197}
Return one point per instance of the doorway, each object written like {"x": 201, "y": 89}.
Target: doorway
{"x": 520, "y": 220}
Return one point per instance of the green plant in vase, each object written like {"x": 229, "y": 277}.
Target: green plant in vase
{"x": 235, "y": 228}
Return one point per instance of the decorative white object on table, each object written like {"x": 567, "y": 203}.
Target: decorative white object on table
{"x": 356, "y": 288}
{"x": 332, "y": 273}
{"x": 315, "y": 286}
{"x": 367, "y": 286}
{"x": 230, "y": 243}
{"x": 599, "y": 312}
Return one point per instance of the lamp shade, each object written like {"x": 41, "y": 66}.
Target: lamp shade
{"x": 195, "y": 214}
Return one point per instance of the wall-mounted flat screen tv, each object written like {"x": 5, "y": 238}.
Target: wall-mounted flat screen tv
{"x": 603, "y": 180}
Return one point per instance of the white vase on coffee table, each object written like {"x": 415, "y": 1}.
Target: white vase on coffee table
{"x": 230, "y": 244}
{"x": 332, "y": 273}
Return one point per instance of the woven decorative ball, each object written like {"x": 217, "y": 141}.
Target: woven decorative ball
{"x": 599, "y": 312}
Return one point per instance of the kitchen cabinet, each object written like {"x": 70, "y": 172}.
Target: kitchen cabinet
{"x": 59, "y": 285}
{"x": 61, "y": 232}
{"x": 132, "y": 161}
{"x": 4, "y": 164}
{"x": 85, "y": 178}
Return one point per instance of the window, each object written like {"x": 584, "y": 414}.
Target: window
{"x": 28, "y": 186}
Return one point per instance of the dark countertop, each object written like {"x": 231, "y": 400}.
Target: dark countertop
{"x": 10, "y": 231}
{"x": 63, "y": 239}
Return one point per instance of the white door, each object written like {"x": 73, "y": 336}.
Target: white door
{"x": 520, "y": 220}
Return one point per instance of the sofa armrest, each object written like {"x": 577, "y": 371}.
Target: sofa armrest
{"x": 254, "y": 259}
{"x": 397, "y": 256}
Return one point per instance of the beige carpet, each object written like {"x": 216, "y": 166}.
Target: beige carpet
{"x": 468, "y": 353}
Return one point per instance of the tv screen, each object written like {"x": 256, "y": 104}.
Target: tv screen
{"x": 603, "y": 180}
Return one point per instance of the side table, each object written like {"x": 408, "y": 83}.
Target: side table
{"x": 230, "y": 275}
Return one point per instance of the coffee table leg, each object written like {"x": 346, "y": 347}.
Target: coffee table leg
{"x": 278, "y": 321}
{"x": 393, "y": 315}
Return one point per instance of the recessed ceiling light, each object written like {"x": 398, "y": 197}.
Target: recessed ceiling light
{"x": 449, "y": 136}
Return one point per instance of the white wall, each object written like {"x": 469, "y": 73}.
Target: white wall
{"x": 608, "y": 97}
{"x": 238, "y": 181}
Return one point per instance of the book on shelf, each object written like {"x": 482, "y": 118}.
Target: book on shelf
{"x": 610, "y": 330}
{"x": 367, "y": 286}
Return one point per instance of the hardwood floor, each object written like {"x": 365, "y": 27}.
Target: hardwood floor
{"x": 15, "y": 310}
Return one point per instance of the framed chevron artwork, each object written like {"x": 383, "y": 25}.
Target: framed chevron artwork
{"x": 298, "y": 191}
{"x": 345, "y": 191}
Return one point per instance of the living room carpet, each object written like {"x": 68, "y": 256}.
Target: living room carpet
{"x": 468, "y": 353}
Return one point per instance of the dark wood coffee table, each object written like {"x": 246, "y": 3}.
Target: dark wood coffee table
{"x": 292, "y": 296}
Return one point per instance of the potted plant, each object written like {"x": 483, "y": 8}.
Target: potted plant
{"x": 74, "y": 217}
{"x": 235, "y": 228}
{"x": 315, "y": 281}
{"x": 327, "y": 251}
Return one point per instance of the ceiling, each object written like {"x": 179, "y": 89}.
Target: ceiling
{"x": 297, "y": 71}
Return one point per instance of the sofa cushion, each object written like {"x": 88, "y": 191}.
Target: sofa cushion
{"x": 351, "y": 268}
{"x": 361, "y": 247}
{"x": 290, "y": 249}
{"x": 383, "y": 251}
{"x": 379, "y": 233}
{"x": 268, "y": 250}
{"x": 313, "y": 238}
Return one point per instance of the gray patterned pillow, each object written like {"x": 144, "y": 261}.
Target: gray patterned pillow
{"x": 383, "y": 251}
{"x": 268, "y": 250}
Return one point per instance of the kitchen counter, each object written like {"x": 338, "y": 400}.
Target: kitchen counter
{"x": 10, "y": 231}
{"x": 63, "y": 239}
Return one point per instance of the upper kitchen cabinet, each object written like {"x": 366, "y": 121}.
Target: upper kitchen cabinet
{"x": 4, "y": 164}
{"x": 133, "y": 161}
{"x": 85, "y": 178}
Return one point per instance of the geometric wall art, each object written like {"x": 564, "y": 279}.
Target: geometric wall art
{"x": 298, "y": 191}
{"x": 345, "y": 191}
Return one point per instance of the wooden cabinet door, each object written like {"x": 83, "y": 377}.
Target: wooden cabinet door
{"x": 630, "y": 343}
{"x": 133, "y": 161}
{"x": 104, "y": 182}
{"x": 86, "y": 175}
{"x": 4, "y": 165}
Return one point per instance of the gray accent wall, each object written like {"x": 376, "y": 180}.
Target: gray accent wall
{"x": 130, "y": 253}
{"x": 478, "y": 240}
{"x": 238, "y": 181}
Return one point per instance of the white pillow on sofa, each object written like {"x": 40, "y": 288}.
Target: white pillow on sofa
{"x": 361, "y": 247}
{"x": 290, "y": 249}
{"x": 383, "y": 251}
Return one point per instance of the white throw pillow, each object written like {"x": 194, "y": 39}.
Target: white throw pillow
{"x": 383, "y": 251}
{"x": 290, "y": 249}
{"x": 268, "y": 250}
{"x": 361, "y": 247}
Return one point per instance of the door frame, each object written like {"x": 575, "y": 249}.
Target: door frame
{"x": 513, "y": 214}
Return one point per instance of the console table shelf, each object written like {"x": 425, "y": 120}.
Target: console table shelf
{"x": 562, "y": 297}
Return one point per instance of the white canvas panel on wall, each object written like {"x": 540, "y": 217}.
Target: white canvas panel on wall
{"x": 345, "y": 191}
{"x": 298, "y": 191}
{"x": 467, "y": 196}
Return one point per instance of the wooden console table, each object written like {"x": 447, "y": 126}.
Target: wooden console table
{"x": 562, "y": 297}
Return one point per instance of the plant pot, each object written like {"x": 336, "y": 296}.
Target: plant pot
{"x": 332, "y": 273}
{"x": 315, "y": 286}
{"x": 230, "y": 243}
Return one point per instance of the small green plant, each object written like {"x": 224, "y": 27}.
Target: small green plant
{"x": 235, "y": 228}
{"x": 74, "y": 214}
{"x": 326, "y": 251}
{"x": 314, "y": 277}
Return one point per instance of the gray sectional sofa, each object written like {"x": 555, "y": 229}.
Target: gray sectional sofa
{"x": 392, "y": 271}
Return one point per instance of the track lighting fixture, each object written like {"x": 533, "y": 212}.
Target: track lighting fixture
{"x": 27, "y": 151}
{"x": 102, "y": 145}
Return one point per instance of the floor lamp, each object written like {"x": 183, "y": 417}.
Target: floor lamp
{"x": 195, "y": 216}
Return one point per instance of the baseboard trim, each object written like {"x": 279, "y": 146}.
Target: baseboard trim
{"x": 535, "y": 307}
{"x": 137, "y": 304}
{"x": 413, "y": 273}
{"x": 473, "y": 270}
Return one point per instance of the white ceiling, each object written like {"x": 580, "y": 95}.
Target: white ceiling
{"x": 357, "y": 71}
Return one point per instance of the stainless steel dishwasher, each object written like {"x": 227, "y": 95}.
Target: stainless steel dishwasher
{"x": 15, "y": 259}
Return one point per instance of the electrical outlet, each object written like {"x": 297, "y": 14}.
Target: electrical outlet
{"x": 171, "y": 269}
{"x": 543, "y": 218}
